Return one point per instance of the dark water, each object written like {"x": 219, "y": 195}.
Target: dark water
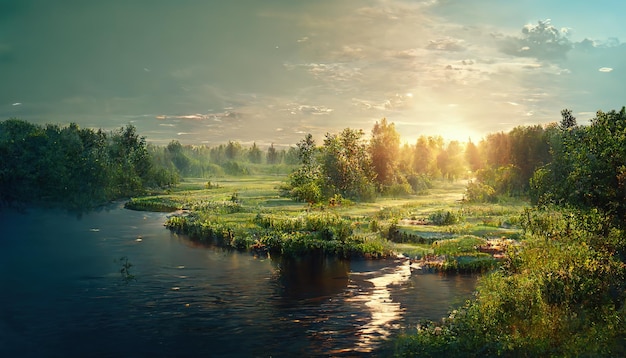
{"x": 62, "y": 295}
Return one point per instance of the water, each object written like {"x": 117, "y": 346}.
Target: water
{"x": 63, "y": 294}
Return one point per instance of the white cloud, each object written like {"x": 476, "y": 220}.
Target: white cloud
{"x": 446, "y": 44}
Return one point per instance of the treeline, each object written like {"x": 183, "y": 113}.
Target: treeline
{"x": 350, "y": 165}
{"x": 563, "y": 163}
{"x": 74, "y": 167}
{"x": 563, "y": 291}
{"x": 354, "y": 166}
{"x": 232, "y": 159}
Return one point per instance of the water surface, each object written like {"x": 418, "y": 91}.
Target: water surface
{"x": 63, "y": 294}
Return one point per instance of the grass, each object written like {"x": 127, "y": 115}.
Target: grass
{"x": 246, "y": 213}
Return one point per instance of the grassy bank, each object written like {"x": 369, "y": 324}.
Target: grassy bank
{"x": 436, "y": 230}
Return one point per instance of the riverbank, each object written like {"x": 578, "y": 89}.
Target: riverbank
{"x": 436, "y": 231}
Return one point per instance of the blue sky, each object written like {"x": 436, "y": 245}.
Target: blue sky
{"x": 208, "y": 72}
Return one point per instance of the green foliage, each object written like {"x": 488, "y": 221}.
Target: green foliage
{"x": 561, "y": 294}
{"x": 588, "y": 170}
{"x": 384, "y": 148}
{"x": 477, "y": 192}
{"x": 420, "y": 183}
{"x": 425, "y": 153}
{"x": 450, "y": 161}
{"x": 255, "y": 154}
{"x": 309, "y": 192}
{"x": 341, "y": 167}
{"x": 464, "y": 244}
{"x": 398, "y": 190}
{"x": 152, "y": 204}
{"x": 322, "y": 233}
{"x": 346, "y": 166}
{"x": 72, "y": 167}
{"x": 444, "y": 217}
{"x": 127, "y": 276}
{"x": 235, "y": 169}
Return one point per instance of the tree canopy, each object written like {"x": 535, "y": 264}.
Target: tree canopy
{"x": 73, "y": 167}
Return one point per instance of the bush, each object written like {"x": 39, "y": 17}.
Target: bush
{"x": 235, "y": 169}
{"x": 308, "y": 192}
{"x": 419, "y": 183}
{"x": 398, "y": 190}
{"x": 560, "y": 294}
{"x": 480, "y": 193}
{"x": 441, "y": 218}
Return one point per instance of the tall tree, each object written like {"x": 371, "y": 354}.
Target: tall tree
{"x": 567, "y": 120}
{"x": 425, "y": 155}
{"x": 233, "y": 150}
{"x": 272, "y": 155}
{"x": 305, "y": 183}
{"x": 384, "y": 149}
{"x": 307, "y": 150}
{"x": 472, "y": 156}
{"x": 346, "y": 166}
{"x": 497, "y": 149}
{"x": 450, "y": 161}
{"x": 529, "y": 150}
{"x": 254, "y": 154}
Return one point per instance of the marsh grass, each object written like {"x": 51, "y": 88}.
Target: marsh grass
{"x": 247, "y": 213}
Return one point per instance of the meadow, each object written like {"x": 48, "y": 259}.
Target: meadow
{"x": 438, "y": 229}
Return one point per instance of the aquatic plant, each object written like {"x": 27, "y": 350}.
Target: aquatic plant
{"x": 125, "y": 269}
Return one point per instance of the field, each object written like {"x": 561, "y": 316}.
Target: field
{"x": 437, "y": 230}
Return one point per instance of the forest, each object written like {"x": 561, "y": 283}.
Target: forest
{"x": 560, "y": 292}
{"x": 74, "y": 168}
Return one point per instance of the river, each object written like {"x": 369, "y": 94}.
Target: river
{"x": 62, "y": 294}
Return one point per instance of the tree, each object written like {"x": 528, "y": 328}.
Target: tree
{"x": 304, "y": 183}
{"x": 497, "y": 149}
{"x": 131, "y": 163}
{"x": 272, "y": 155}
{"x": 450, "y": 161}
{"x": 69, "y": 166}
{"x": 346, "y": 165}
{"x": 425, "y": 155}
{"x": 384, "y": 149}
{"x": 176, "y": 155}
{"x": 529, "y": 150}
{"x": 306, "y": 150}
{"x": 568, "y": 120}
{"x": 254, "y": 154}
{"x": 472, "y": 156}
{"x": 232, "y": 150}
{"x": 588, "y": 169}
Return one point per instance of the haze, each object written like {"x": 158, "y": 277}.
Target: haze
{"x": 205, "y": 72}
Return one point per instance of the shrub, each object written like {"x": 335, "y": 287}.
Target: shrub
{"x": 419, "y": 183}
{"x": 480, "y": 193}
{"x": 457, "y": 245}
{"x": 398, "y": 190}
{"x": 441, "y": 217}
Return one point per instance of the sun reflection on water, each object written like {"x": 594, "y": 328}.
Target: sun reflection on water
{"x": 385, "y": 313}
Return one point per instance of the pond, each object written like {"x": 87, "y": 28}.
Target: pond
{"x": 63, "y": 294}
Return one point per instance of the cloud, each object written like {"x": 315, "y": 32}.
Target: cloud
{"x": 446, "y": 44}
{"x": 338, "y": 64}
{"x": 605, "y": 69}
{"x": 542, "y": 41}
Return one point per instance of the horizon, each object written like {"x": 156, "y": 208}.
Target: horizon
{"x": 206, "y": 73}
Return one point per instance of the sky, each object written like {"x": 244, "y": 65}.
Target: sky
{"x": 206, "y": 72}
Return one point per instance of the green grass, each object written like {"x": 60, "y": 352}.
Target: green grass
{"x": 246, "y": 213}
